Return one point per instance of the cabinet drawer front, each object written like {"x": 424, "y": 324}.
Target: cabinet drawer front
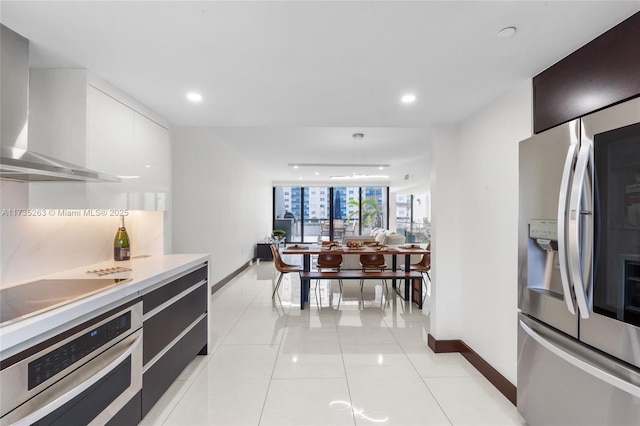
{"x": 166, "y": 292}
{"x": 166, "y": 325}
{"x": 160, "y": 376}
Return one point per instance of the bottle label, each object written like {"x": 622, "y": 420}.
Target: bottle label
{"x": 123, "y": 253}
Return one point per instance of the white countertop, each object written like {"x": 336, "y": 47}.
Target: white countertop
{"x": 146, "y": 273}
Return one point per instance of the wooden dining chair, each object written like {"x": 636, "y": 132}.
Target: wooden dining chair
{"x": 373, "y": 261}
{"x": 424, "y": 267}
{"x": 329, "y": 261}
{"x": 282, "y": 267}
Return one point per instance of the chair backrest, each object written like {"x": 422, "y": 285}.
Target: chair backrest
{"x": 277, "y": 260}
{"x": 374, "y": 260}
{"x": 425, "y": 262}
{"x": 329, "y": 260}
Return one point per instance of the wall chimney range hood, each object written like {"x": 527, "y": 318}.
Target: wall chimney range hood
{"x": 23, "y": 165}
{"x": 16, "y": 161}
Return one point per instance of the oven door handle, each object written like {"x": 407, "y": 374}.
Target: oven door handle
{"x": 62, "y": 400}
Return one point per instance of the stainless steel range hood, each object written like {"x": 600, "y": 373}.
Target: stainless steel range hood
{"x": 16, "y": 161}
{"x": 23, "y": 165}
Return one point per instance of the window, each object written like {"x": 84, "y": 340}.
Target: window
{"x": 412, "y": 217}
{"x": 350, "y": 211}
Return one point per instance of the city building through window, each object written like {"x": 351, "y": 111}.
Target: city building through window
{"x": 312, "y": 214}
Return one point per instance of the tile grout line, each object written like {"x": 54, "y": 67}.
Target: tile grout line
{"x": 275, "y": 362}
{"x": 346, "y": 376}
{"x": 418, "y": 373}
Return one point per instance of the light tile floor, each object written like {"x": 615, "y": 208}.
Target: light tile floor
{"x": 356, "y": 360}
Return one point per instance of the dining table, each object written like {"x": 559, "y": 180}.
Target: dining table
{"x": 308, "y": 250}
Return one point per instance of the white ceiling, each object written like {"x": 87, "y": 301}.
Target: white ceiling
{"x": 291, "y": 81}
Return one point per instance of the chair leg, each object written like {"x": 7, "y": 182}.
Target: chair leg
{"x": 426, "y": 289}
{"x": 275, "y": 290}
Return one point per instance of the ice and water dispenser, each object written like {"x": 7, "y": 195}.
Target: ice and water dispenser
{"x": 543, "y": 274}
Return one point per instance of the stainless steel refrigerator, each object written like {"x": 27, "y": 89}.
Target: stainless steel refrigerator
{"x": 579, "y": 271}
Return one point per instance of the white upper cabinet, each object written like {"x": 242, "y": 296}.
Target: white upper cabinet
{"x": 84, "y": 120}
{"x": 110, "y": 141}
{"x": 152, "y": 162}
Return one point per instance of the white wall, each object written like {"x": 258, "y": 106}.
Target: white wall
{"x": 446, "y": 204}
{"x": 33, "y": 246}
{"x": 222, "y": 203}
{"x": 488, "y": 194}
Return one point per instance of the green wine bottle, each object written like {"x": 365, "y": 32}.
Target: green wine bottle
{"x": 121, "y": 248}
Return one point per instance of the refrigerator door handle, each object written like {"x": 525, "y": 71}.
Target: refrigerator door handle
{"x": 563, "y": 204}
{"x": 591, "y": 369}
{"x": 579, "y": 234}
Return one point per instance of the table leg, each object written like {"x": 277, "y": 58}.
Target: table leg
{"x": 304, "y": 282}
{"x": 408, "y": 285}
{"x": 394, "y": 267}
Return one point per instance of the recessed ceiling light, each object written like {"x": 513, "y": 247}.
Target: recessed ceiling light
{"x": 295, "y": 167}
{"x": 317, "y": 173}
{"x": 380, "y": 168}
{"x": 507, "y": 32}
{"x": 194, "y": 97}
{"x": 148, "y": 166}
{"x": 408, "y": 98}
{"x": 300, "y": 178}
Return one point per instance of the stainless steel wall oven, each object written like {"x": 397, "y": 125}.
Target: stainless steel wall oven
{"x": 84, "y": 375}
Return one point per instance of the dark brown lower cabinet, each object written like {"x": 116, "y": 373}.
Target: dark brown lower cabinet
{"x": 174, "y": 332}
{"x": 263, "y": 251}
{"x": 167, "y": 324}
{"x": 157, "y": 379}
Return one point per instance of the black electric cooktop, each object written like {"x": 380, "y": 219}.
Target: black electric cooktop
{"x": 23, "y": 301}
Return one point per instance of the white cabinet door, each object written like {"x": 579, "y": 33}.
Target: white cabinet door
{"x": 110, "y": 146}
{"x": 57, "y": 123}
{"x": 152, "y": 162}
{"x": 80, "y": 118}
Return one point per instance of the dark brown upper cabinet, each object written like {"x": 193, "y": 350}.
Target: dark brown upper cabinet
{"x": 602, "y": 73}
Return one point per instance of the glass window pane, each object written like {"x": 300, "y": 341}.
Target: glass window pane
{"x": 316, "y": 214}
{"x": 288, "y": 211}
{"x": 373, "y": 211}
{"x": 403, "y": 214}
{"x": 305, "y": 214}
{"x": 346, "y": 203}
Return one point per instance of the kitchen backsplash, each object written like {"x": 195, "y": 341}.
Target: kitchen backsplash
{"x": 57, "y": 240}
